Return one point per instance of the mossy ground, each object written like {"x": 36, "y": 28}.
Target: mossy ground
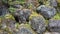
{"x": 34, "y": 13}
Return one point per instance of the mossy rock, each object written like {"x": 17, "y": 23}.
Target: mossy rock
{"x": 25, "y": 29}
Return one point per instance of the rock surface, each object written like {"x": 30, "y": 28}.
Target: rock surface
{"x": 47, "y": 12}
{"x": 51, "y": 33}
{"x": 54, "y": 25}
{"x": 38, "y": 24}
{"x": 22, "y": 15}
{"x": 29, "y": 16}
{"x": 24, "y": 29}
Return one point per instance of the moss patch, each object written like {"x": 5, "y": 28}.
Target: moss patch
{"x": 57, "y": 16}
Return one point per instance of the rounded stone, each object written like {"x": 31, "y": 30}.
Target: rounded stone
{"x": 51, "y": 33}
{"x": 53, "y": 3}
{"x": 38, "y": 24}
{"x": 8, "y": 22}
{"x": 47, "y": 12}
{"x": 22, "y": 15}
{"x": 3, "y": 10}
{"x": 24, "y": 29}
{"x": 54, "y": 25}
{"x": 17, "y": 6}
{"x": 4, "y": 32}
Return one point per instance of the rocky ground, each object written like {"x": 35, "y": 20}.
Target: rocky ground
{"x": 29, "y": 16}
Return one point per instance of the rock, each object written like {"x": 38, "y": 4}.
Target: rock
{"x": 54, "y": 25}
{"x": 3, "y": 10}
{"x": 58, "y": 9}
{"x": 8, "y": 25}
{"x": 22, "y": 15}
{"x": 1, "y": 32}
{"x": 33, "y": 2}
{"x": 24, "y": 29}
{"x": 47, "y": 12}
{"x": 5, "y": 32}
{"x": 51, "y": 33}
{"x": 38, "y": 24}
{"x": 53, "y": 3}
{"x": 8, "y": 22}
{"x": 17, "y": 6}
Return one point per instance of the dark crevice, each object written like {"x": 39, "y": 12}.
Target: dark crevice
{"x": 16, "y": 18}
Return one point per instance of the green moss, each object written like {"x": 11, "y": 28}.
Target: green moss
{"x": 12, "y": 10}
{"x": 7, "y": 30}
{"x": 17, "y": 25}
{"x": 16, "y": 2}
{"x": 9, "y": 16}
{"x": 57, "y": 16}
{"x": 30, "y": 6}
{"x": 33, "y": 14}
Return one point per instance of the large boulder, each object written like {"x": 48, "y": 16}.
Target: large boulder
{"x": 38, "y": 24}
{"x": 46, "y": 11}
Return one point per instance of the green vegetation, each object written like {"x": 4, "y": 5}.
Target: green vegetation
{"x": 12, "y": 10}
{"x": 26, "y": 5}
{"x": 57, "y": 16}
{"x": 16, "y": 2}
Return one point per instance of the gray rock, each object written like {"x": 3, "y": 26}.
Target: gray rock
{"x": 4, "y": 32}
{"x": 53, "y": 3}
{"x": 17, "y": 6}
{"x": 51, "y": 33}
{"x": 22, "y": 15}
{"x": 38, "y": 24}
{"x": 23, "y": 29}
{"x": 47, "y": 12}
{"x": 58, "y": 10}
{"x": 8, "y": 23}
{"x": 1, "y": 32}
{"x": 54, "y": 25}
{"x": 3, "y": 10}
